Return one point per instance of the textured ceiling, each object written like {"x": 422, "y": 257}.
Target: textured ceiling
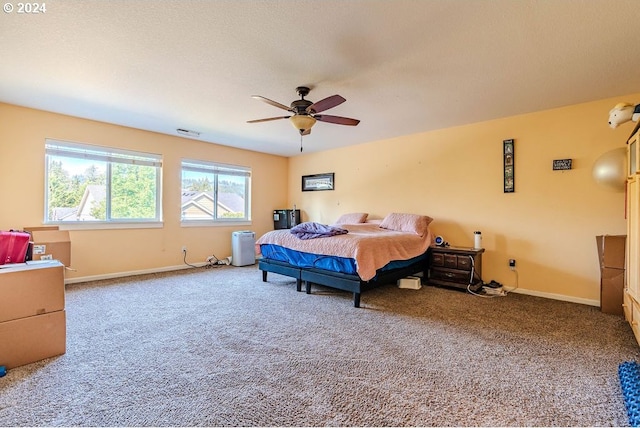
{"x": 403, "y": 66}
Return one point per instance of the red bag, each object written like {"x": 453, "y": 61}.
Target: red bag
{"x": 13, "y": 247}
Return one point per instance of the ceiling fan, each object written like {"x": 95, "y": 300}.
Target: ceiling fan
{"x": 305, "y": 113}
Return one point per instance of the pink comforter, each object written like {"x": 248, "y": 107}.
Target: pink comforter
{"x": 371, "y": 246}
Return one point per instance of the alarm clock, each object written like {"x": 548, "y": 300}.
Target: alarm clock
{"x": 440, "y": 242}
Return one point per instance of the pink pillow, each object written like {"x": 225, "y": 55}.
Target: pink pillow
{"x": 411, "y": 223}
{"x": 352, "y": 218}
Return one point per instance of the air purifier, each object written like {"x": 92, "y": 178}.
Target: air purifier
{"x": 243, "y": 248}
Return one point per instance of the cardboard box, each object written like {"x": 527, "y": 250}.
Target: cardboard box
{"x": 37, "y": 228}
{"x": 32, "y": 339}
{"x": 611, "y": 250}
{"x": 30, "y": 289}
{"x": 611, "y": 256}
{"x": 612, "y": 291}
{"x": 50, "y": 243}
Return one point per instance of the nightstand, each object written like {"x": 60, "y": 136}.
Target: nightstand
{"x": 457, "y": 267}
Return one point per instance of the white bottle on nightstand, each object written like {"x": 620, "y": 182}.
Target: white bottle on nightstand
{"x": 477, "y": 239}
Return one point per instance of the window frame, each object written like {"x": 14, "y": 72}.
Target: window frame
{"x": 216, "y": 168}
{"x": 111, "y": 156}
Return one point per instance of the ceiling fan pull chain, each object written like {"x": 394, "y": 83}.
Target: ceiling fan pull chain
{"x": 300, "y": 142}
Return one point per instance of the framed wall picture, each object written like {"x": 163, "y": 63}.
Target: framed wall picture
{"x": 562, "y": 164}
{"x": 318, "y": 182}
{"x": 508, "y": 155}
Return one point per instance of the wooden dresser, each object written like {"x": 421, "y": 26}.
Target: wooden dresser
{"x": 457, "y": 267}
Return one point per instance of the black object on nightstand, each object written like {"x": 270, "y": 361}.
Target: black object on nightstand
{"x": 457, "y": 267}
{"x": 285, "y": 219}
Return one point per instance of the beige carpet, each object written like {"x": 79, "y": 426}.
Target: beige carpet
{"x": 218, "y": 347}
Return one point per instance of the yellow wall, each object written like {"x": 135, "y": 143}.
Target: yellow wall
{"x": 100, "y": 253}
{"x": 455, "y": 175}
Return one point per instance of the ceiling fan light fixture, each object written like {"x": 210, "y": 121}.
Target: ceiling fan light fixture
{"x": 305, "y": 112}
{"x": 302, "y": 122}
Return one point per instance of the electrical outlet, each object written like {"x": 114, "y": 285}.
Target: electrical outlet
{"x": 184, "y": 248}
{"x": 512, "y": 264}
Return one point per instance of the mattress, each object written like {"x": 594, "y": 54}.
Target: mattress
{"x": 320, "y": 261}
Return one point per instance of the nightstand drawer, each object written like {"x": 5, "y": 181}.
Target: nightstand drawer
{"x": 464, "y": 262}
{"x": 451, "y": 261}
{"x": 449, "y": 275}
{"x": 437, "y": 259}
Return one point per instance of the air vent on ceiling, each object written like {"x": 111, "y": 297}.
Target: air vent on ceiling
{"x": 188, "y": 133}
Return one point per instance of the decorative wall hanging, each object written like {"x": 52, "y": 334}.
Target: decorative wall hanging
{"x": 509, "y": 165}
{"x": 562, "y": 164}
{"x": 318, "y": 182}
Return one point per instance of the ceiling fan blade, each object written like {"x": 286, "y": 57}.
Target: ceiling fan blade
{"x": 273, "y": 103}
{"x": 326, "y": 104}
{"x": 336, "y": 119}
{"x": 268, "y": 119}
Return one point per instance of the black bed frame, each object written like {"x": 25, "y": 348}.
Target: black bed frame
{"x": 341, "y": 281}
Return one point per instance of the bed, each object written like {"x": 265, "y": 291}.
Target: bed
{"x": 366, "y": 255}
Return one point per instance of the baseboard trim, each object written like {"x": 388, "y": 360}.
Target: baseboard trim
{"x": 555, "y": 296}
{"x": 131, "y": 273}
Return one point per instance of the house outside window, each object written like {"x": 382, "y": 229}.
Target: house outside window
{"x": 214, "y": 192}
{"x": 101, "y": 185}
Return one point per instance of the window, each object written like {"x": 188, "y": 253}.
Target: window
{"x": 101, "y": 185}
{"x": 215, "y": 192}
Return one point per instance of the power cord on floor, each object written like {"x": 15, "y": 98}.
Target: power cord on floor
{"x": 184, "y": 258}
{"x": 212, "y": 261}
{"x": 485, "y": 295}
{"x": 473, "y": 275}
{"x": 516, "y": 287}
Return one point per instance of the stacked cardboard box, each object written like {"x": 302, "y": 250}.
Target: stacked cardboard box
{"x": 50, "y": 243}
{"x": 611, "y": 254}
{"x": 32, "y": 312}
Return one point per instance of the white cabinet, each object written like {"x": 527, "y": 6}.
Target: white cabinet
{"x": 632, "y": 297}
{"x": 633, "y": 238}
